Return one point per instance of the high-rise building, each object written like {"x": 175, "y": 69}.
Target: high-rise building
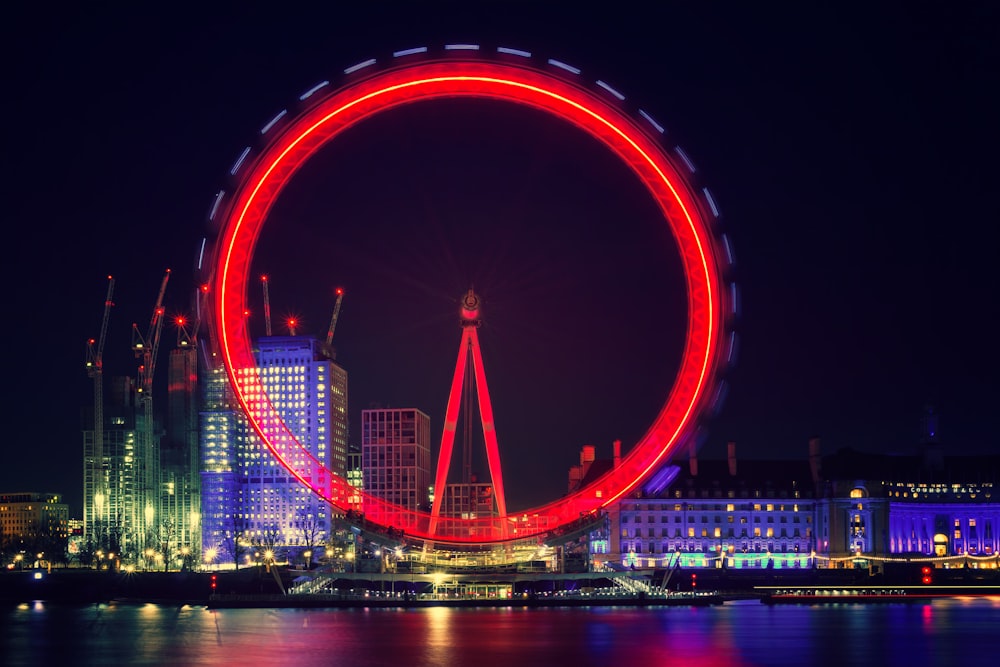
{"x": 396, "y": 460}
{"x": 223, "y": 435}
{"x": 113, "y": 493}
{"x": 180, "y": 481}
{"x": 248, "y": 495}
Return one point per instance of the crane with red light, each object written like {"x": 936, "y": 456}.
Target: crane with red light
{"x": 145, "y": 349}
{"x": 185, "y": 335}
{"x": 327, "y": 345}
{"x": 336, "y": 315}
{"x": 267, "y": 304}
{"x": 95, "y": 370}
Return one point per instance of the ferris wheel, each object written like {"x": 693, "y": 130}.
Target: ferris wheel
{"x": 424, "y": 76}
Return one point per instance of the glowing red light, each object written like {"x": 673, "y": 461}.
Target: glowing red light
{"x": 302, "y": 137}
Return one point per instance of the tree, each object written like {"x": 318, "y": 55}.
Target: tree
{"x": 88, "y": 551}
{"x": 311, "y": 534}
{"x": 234, "y": 543}
{"x": 167, "y": 536}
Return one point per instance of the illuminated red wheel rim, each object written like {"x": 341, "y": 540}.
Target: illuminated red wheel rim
{"x": 597, "y": 112}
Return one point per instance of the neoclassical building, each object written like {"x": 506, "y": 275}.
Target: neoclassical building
{"x": 846, "y": 509}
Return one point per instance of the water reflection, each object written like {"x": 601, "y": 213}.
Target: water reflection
{"x": 734, "y": 635}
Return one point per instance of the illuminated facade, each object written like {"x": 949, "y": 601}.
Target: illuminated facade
{"x": 248, "y": 496}
{"x": 355, "y": 478}
{"x": 29, "y": 520}
{"x": 923, "y": 506}
{"x": 752, "y": 514}
{"x": 223, "y": 433}
{"x": 113, "y": 494}
{"x": 396, "y": 459}
{"x": 309, "y": 392}
{"x": 846, "y": 510}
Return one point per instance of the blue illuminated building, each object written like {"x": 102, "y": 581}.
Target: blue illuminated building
{"x": 846, "y": 510}
{"x": 746, "y": 514}
{"x": 249, "y": 498}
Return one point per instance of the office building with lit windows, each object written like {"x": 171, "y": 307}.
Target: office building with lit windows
{"x": 248, "y": 495}
{"x": 396, "y": 459}
{"x": 223, "y": 435}
{"x": 114, "y": 496}
{"x": 33, "y": 520}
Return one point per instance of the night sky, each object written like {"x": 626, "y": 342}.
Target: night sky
{"x": 852, "y": 151}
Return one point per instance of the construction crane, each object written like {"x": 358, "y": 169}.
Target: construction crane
{"x": 336, "y": 314}
{"x": 95, "y": 370}
{"x": 328, "y": 343}
{"x": 145, "y": 349}
{"x": 185, "y": 335}
{"x": 267, "y": 306}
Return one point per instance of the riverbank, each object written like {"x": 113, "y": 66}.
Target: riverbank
{"x": 258, "y": 587}
{"x": 870, "y": 594}
{"x": 407, "y": 602}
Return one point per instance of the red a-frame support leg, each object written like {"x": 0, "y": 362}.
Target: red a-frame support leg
{"x": 469, "y": 346}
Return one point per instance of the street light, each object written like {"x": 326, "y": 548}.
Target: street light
{"x": 268, "y": 559}
{"x": 210, "y": 555}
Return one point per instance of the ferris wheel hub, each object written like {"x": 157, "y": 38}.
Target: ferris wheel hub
{"x": 470, "y": 308}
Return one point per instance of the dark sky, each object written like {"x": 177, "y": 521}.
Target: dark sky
{"x": 852, "y": 150}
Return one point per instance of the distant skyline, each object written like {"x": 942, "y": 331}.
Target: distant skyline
{"x": 852, "y": 157}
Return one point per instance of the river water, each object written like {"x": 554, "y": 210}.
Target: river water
{"x": 954, "y": 631}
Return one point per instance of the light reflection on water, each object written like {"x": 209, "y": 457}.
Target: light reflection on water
{"x": 945, "y": 632}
